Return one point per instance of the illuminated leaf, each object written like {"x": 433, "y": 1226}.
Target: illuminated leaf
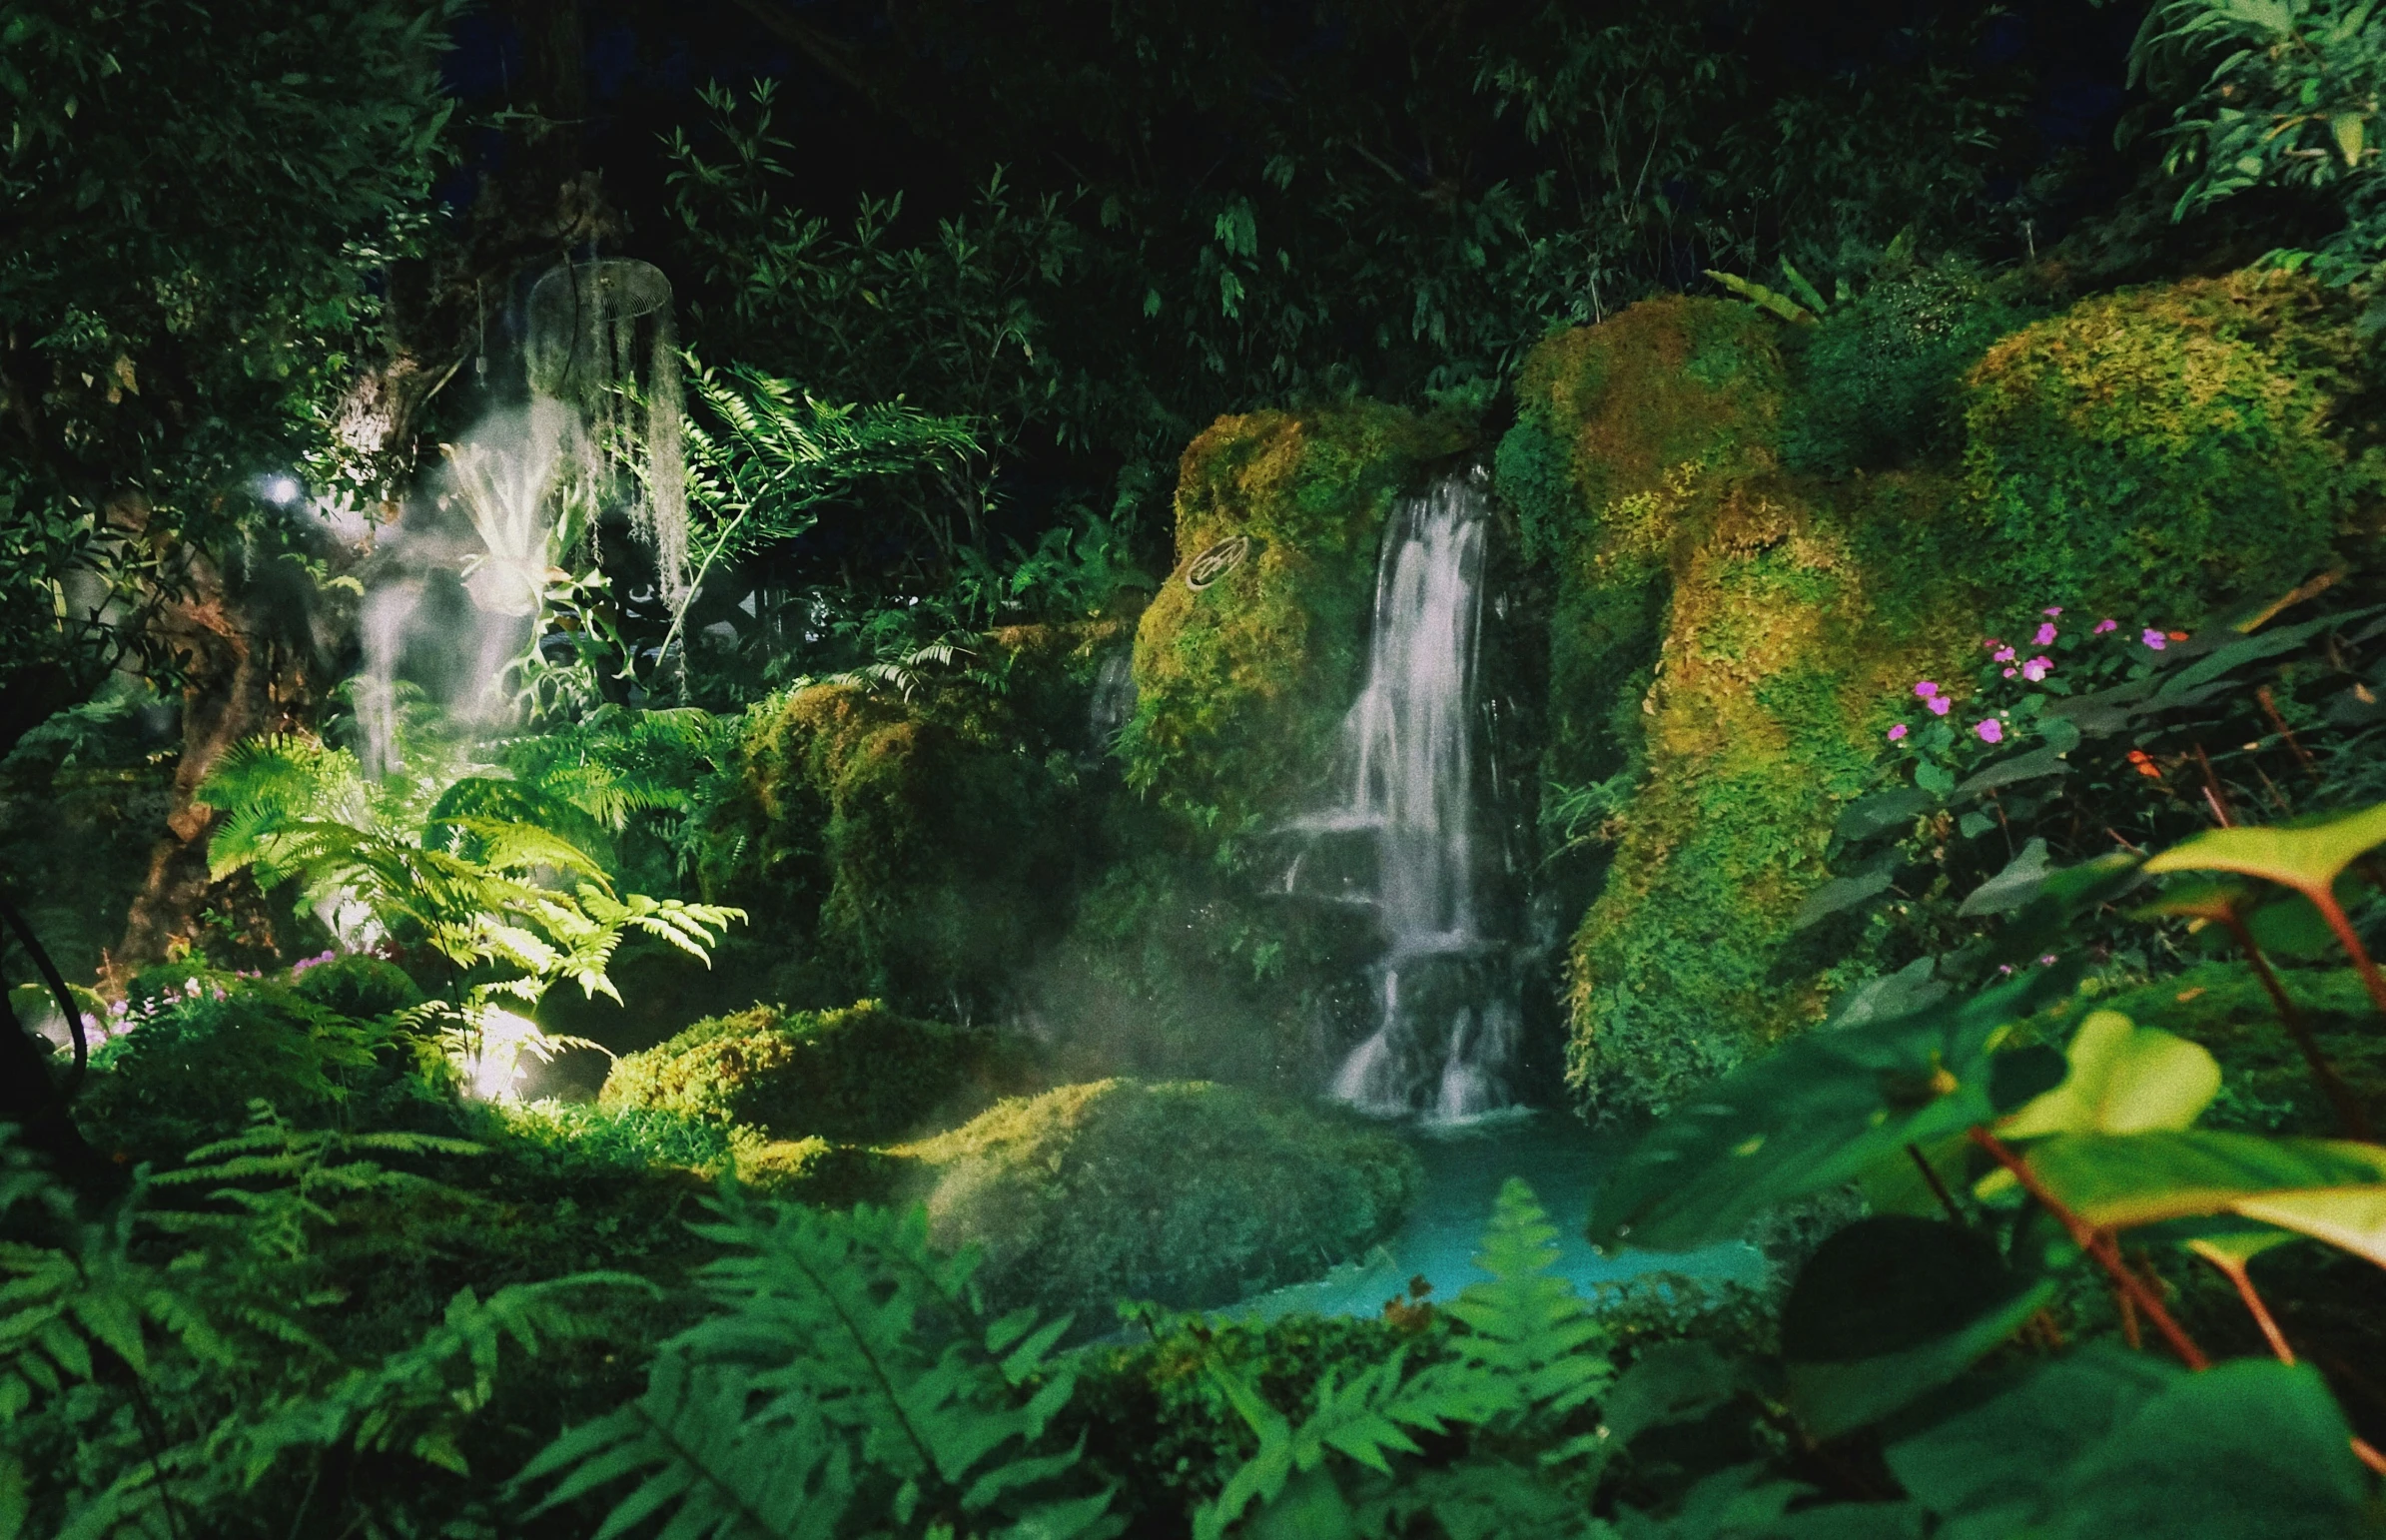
{"x": 2119, "y": 1181}
{"x": 2124, "y": 1078}
{"x": 2306, "y": 857}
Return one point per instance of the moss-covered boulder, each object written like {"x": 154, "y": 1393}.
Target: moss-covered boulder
{"x": 1185, "y": 1192}
{"x": 860, "y": 1074}
{"x": 1242, "y": 681}
{"x": 2159, "y": 450}
{"x": 1725, "y": 635}
{"x": 1746, "y": 584}
{"x": 916, "y": 839}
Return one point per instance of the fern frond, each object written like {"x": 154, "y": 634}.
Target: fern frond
{"x": 1526, "y": 1327}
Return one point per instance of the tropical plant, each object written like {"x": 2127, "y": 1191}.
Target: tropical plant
{"x": 160, "y": 1363}
{"x": 2277, "y": 94}
{"x": 847, "y": 1382}
{"x": 476, "y": 875}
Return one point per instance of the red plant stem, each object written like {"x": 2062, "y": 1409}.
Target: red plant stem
{"x": 2302, "y": 754}
{"x": 2098, "y": 1244}
{"x": 2234, "y": 1271}
{"x": 2368, "y": 1456}
{"x": 2349, "y": 1115}
{"x": 2343, "y": 926}
{"x": 2213, "y": 792}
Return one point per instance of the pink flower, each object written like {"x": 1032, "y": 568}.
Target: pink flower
{"x": 1926, "y": 689}
{"x": 1991, "y": 730}
{"x": 2101, "y": 626}
{"x": 2037, "y": 668}
{"x": 2153, "y": 639}
{"x": 2005, "y": 655}
{"x": 2008, "y": 674}
{"x": 1897, "y": 733}
{"x": 2052, "y": 610}
{"x": 1938, "y": 705}
{"x": 2045, "y": 634}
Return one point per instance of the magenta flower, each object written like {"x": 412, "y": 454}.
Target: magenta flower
{"x": 2045, "y": 634}
{"x": 1991, "y": 730}
{"x": 1897, "y": 733}
{"x": 2154, "y": 639}
{"x": 2052, "y": 610}
{"x": 2037, "y": 668}
{"x": 1940, "y": 704}
{"x": 1926, "y": 689}
{"x": 2005, "y": 655}
{"x": 2008, "y": 674}
{"x": 2101, "y": 626}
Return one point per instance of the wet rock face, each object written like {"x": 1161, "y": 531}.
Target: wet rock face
{"x": 1253, "y": 648}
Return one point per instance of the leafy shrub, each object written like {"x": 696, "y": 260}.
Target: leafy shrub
{"x": 863, "y": 1073}
{"x": 189, "y": 1049}
{"x": 1880, "y": 378}
{"x": 2170, "y": 448}
{"x": 813, "y": 1171}
{"x": 1183, "y": 1191}
{"x": 355, "y": 984}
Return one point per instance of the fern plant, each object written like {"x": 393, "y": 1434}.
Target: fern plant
{"x": 1515, "y": 1385}
{"x": 480, "y": 877}
{"x": 847, "y": 1382}
{"x": 175, "y": 1351}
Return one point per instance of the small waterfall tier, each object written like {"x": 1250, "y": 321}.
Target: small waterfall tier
{"x": 1402, "y": 840}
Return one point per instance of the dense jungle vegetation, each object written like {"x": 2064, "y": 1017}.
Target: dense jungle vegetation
{"x": 707, "y": 938}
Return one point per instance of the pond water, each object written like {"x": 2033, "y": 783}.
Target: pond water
{"x": 1465, "y": 1165}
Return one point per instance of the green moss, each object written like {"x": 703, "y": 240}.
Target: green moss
{"x": 2161, "y": 450}
{"x": 1723, "y": 640}
{"x": 1241, "y": 684}
{"x": 1183, "y": 1191}
{"x": 1880, "y": 381}
{"x": 916, "y": 843}
{"x": 814, "y": 1170}
{"x": 859, "y": 1074}
{"x": 1625, "y": 434}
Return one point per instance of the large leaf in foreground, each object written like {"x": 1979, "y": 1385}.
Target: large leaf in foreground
{"x": 2307, "y": 857}
{"x": 2331, "y": 1189}
{"x": 1810, "y": 1116}
{"x": 2108, "y": 1443}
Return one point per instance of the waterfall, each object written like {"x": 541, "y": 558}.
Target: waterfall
{"x": 1402, "y": 839}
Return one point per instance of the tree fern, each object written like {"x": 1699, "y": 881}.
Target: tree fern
{"x": 847, "y": 1382}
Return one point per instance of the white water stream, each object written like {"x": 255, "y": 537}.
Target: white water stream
{"x": 1446, "y": 1017}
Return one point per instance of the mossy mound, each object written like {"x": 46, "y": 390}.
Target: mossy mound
{"x": 917, "y": 839}
{"x": 1241, "y": 683}
{"x": 2161, "y": 450}
{"x": 863, "y": 1073}
{"x": 814, "y": 1170}
{"x": 1185, "y": 1192}
{"x": 1723, "y": 638}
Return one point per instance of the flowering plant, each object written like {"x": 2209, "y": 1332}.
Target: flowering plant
{"x": 2016, "y": 688}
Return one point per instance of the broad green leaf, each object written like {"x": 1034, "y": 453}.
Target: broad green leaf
{"x": 1813, "y": 1115}
{"x": 2118, "y": 1180}
{"x": 2013, "y": 887}
{"x": 1868, "y": 816}
{"x": 1764, "y": 298}
{"x": 1889, "y": 1309}
{"x": 2246, "y": 1450}
{"x": 2124, "y": 1078}
{"x": 2348, "y": 128}
{"x": 1845, "y": 893}
{"x": 2043, "y": 761}
{"x": 2308, "y": 857}
{"x": 2351, "y": 1218}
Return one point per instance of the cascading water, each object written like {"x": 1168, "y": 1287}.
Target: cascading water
{"x": 1402, "y": 841}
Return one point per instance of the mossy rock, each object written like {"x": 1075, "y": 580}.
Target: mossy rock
{"x": 1723, "y": 638}
{"x": 862, "y": 1074}
{"x": 918, "y": 843}
{"x": 2161, "y": 451}
{"x": 1242, "y": 683}
{"x": 828, "y": 1175}
{"x": 1185, "y": 1192}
